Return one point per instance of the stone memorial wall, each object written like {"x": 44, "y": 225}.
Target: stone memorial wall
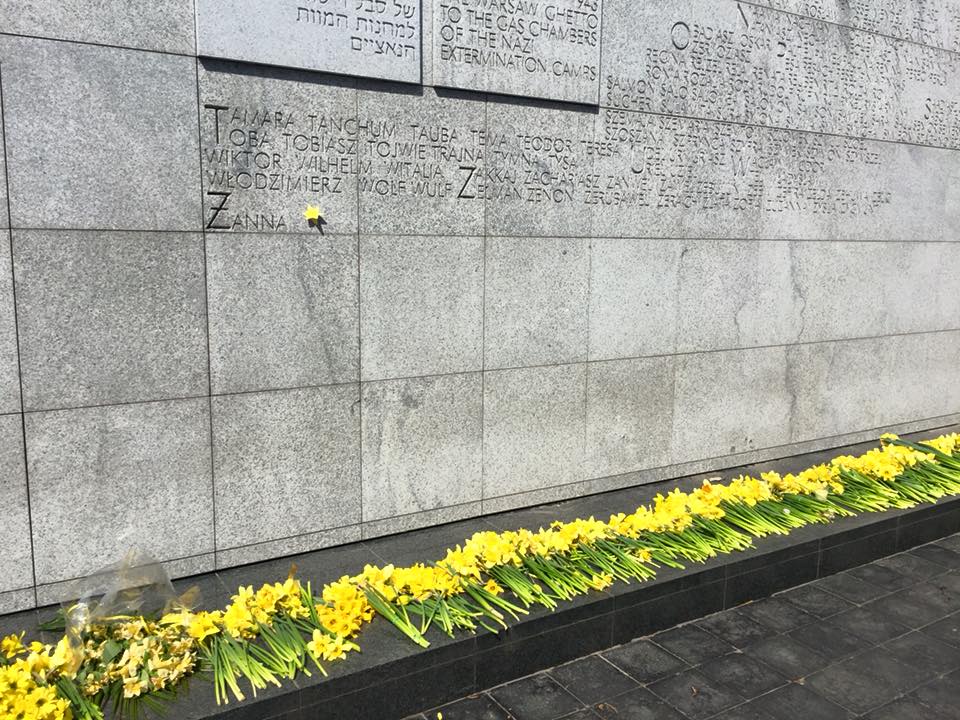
{"x": 566, "y": 246}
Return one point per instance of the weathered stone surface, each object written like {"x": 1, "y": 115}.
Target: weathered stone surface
{"x": 536, "y": 301}
{"x": 109, "y": 317}
{"x": 274, "y": 141}
{"x": 633, "y": 297}
{"x": 4, "y": 206}
{"x": 421, "y": 159}
{"x": 724, "y": 60}
{"x": 286, "y": 463}
{"x": 730, "y": 402}
{"x": 421, "y": 444}
{"x": 272, "y": 549}
{"x": 629, "y": 415}
{"x": 164, "y": 25}
{"x": 107, "y": 479}
{"x": 533, "y": 422}
{"x": 931, "y": 22}
{"x": 422, "y": 301}
{"x": 282, "y": 311}
{"x": 16, "y": 561}
{"x": 842, "y": 387}
{"x": 540, "y": 165}
{"x": 371, "y": 38}
{"x": 9, "y": 359}
{"x": 99, "y": 137}
{"x": 542, "y": 50}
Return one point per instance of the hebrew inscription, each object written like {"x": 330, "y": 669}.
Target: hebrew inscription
{"x": 534, "y": 48}
{"x": 369, "y": 38}
{"x": 932, "y": 22}
{"x": 724, "y": 60}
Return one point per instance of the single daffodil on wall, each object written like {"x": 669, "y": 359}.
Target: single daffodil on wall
{"x": 314, "y": 216}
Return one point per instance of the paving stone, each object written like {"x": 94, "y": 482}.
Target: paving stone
{"x": 946, "y": 630}
{"x": 912, "y": 566}
{"x": 905, "y": 708}
{"x": 538, "y": 697}
{"x": 938, "y": 555}
{"x": 942, "y": 695}
{"x": 734, "y": 627}
{"x": 776, "y": 614}
{"x": 854, "y": 686}
{"x": 592, "y": 679}
{"x": 881, "y": 576}
{"x": 927, "y": 653}
{"x": 907, "y": 608}
{"x": 830, "y": 640}
{"x": 742, "y": 674}
{"x": 793, "y": 659}
{"x": 476, "y": 707}
{"x": 695, "y": 695}
{"x": 639, "y": 704}
{"x": 644, "y": 661}
{"x": 871, "y": 626}
{"x": 692, "y": 644}
{"x": 850, "y": 588}
{"x": 796, "y": 702}
{"x": 816, "y": 601}
{"x": 747, "y": 711}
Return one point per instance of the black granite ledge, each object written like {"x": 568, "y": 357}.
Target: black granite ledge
{"x": 393, "y": 678}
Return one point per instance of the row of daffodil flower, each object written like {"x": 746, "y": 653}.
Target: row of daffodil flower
{"x": 283, "y": 629}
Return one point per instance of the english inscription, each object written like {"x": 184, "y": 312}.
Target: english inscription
{"x": 368, "y": 38}
{"x": 534, "y": 48}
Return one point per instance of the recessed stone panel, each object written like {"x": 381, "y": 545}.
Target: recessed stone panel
{"x": 164, "y": 25}
{"x": 658, "y": 176}
{"x": 370, "y": 38}
{"x": 282, "y": 311}
{"x": 109, "y": 317}
{"x": 931, "y": 22}
{"x": 725, "y": 60}
{"x": 106, "y": 480}
{"x": 421, "y": 301}
{"x": 528, "y": 48}
{"x": 421, "y": 444}
{"x": 422, "y": 160}
{"x": 16, "y": 561}
{"x": 99, "y": 137}
{"x": 274, "y": 142}
{"x": 286, "y": 463}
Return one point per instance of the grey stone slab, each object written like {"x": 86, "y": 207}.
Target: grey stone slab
{"x": 166, "y": 25}
{"x": 17, "y": 600}
{"x": 109, "y": 317}
{"x": 633, "y": 297}
{"x": 536, "y": 301}
{"x": 661, "y": 176}
{"x": 736, "y": 294}
{"x": 16, "y": 561}
{"x": 371, "y": 38}
{"x": 108, "y": 479}
{"x": 730, "y": 402}
{"x": 286, "y": 463}
{"x": 540, "y": 160}
{"x": 723, "y": 61}
{"x": 844, "y": 386}
{"x": 422, "y": 160}
{"x": 422, "y": 444}
{"x": 283, "y": 311}
{"x": 275, "y": 141}
{"x": 9, "y": 357}
{"x": 263, "y": 551}
{"x": 4, "y": 205}
{"x": 421, "y": 302}
{"x": 534, "y": 424}
{"x": 542, "y": 50}
{"x": 850, "y": 290}
{"x": 932, "y": 22}
{"x": 99, "y": 137}
{"x": 629, "y": 415}
{"x": 424, "y": 519}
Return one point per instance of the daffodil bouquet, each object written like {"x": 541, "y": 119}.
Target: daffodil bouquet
{"x": 282, "y": 629}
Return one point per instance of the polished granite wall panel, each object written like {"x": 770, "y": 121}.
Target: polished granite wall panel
{"x": 99, "y": 137}
{"x": 724, "y": 60}
{"x": 105, "y": 480}
{"x": 422, "y": 301}
{"x": 422, "y": 444}
{"x": 109, "y": 316}
{"x": 301, "y": 444}
{"x": 282, "y": 310}
{"x": 507, "y": 300}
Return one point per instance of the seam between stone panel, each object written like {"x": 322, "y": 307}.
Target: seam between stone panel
{"x": 951, "y": 420}
{"x": 497, "y": 369}
{"x": 90, "y": 43}
{"x": 857, "y": 28}
{"x": 206, "y": 310}
{"x": 16, "y": 330}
